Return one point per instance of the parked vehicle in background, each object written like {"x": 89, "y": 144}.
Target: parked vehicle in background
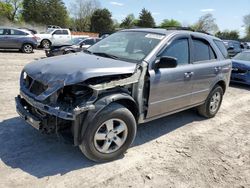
{"x": 55, "y": 37}
{"x": 233, "y": 47}
{"x": 131, "y": 77}
{"x": 11, "y": 38}
{"x": 78, "y": 44}
{"x": 241, "y": 68}
{"x": 245, "y": 46}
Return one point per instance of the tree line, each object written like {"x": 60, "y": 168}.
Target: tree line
{"x": 87, "y": 15}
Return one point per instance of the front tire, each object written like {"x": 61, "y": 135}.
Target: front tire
{"x": 46, "y": 44}
{"x": 110, "y": 134}
{"x": 212, "y": 104}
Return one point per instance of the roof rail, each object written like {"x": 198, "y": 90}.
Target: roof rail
{"x": 187, "y": 29}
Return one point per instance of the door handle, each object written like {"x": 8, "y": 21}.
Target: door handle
{"x": 188, "y": 74}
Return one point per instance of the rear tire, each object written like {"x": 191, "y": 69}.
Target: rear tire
{"x": 27, "y": 48}
{"x": 110, "y": 134}
{"x": 212, "y": 104}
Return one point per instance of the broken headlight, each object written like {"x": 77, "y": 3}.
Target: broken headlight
{"x": 75, "y": 94}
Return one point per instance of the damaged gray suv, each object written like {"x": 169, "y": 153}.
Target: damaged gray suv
{"x": 131, "y": 77}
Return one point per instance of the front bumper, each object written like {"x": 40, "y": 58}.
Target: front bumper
{"x": 28, "y": 117}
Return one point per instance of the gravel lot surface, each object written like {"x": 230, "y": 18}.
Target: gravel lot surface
{"x": 182, "y": 150}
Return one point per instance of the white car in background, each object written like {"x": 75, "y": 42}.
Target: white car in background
{"x": 55, "y": 37}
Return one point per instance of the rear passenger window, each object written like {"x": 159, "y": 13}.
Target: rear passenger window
{"x": 221, "y": 47}
{"x": 178, "y": 49}
{"x": 17, "y": 32}
{"x": 57, "y": 32}
{"x": 1, "y": 31}
{"x": 203, "y": 51}
{"x": 65, "y": 32}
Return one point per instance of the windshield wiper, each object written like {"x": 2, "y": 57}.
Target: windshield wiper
{"x": 105, "y": 55}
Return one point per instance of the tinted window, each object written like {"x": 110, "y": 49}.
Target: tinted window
{"x": 202, "y": 50}
{"x": 221, "y": 47}
{"x": 180, "y": 50}
{"x": 65, "y": 32}
{"x": 57, "y": 32}
{"x": 88, "y": 42}
{"x": 1, "y": 31}
{"x": 17, "y": 32}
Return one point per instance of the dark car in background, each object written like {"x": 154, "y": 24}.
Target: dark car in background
{"x": 233, "y": 47}
{"x": 11, "y": 38}
{"x": 241, "y": 68}
{"x": 78, "y": 45}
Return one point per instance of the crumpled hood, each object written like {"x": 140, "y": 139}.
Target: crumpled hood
{"x": 245, "y": 65}
{"x": 74, "y": 68}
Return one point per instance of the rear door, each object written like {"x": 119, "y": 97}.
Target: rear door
{"x": 171, "y": 88}
{"x": 206, "y": 68}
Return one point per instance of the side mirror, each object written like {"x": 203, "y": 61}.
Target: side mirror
{"x": 166, "y": 62}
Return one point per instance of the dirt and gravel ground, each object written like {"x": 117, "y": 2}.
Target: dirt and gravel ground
{"x": 182, "y": 150}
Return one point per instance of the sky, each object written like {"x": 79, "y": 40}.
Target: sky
{"x": 228, "y": 13}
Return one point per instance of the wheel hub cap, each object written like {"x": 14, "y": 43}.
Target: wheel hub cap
{"x": 215, "y": 102}
{"x": 110, "y": 136}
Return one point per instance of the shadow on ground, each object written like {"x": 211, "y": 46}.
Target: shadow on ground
{"x": 40, "y": 155}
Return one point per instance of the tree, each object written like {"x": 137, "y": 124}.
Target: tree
{"x": 16, "y": 8}
{"x": 206, "y": 23}
{"x": 82, "y": 11}
{"x": 128, "y": 22}
{"x": 146, "y": 19}
{"x": 5, "y": 11}
{"x": 101, "y": 21}
{"x": 48, "y": 12}
{"x": 170, "y": 23}
{"x": 228, "y": 35}
{"x": 246, "y": 21}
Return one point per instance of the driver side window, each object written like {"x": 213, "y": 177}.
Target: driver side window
{"x": 179, "y": 49}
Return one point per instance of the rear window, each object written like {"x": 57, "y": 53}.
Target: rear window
{"x": 221, "y": 47}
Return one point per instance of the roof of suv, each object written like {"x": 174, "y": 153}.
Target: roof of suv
{"x": 171, "y": 31}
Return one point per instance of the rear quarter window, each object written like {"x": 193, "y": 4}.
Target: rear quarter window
{"x": 221, "y": 47}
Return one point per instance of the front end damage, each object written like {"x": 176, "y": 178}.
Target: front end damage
{"x": 53, "y": 109}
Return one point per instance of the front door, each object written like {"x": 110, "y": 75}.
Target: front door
{"x": 171, "y": 88}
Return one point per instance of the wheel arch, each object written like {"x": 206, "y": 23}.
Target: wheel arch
{"x": 121, "y": 98}
{"x": 222, "y": 84}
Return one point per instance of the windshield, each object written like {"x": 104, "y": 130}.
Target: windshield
{"x": 77, "y": 41}
{"x": 127, "y": 45}
{"x": 244, "y": 56}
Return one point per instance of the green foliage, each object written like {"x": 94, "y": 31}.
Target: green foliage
{"x": 82, "y": 11}
{"x": 146, "y": 19}
{"x": 170, "y": 23}
{"x": 246, "y": 21}
{"x": 5, "y": 10}
{"x": 206, "y": 23}
{"x": 128, "y": 22}
{"x": 48, "y": 12}
{"x": 228, "y": 35}
{"x": 101, "y": 21}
